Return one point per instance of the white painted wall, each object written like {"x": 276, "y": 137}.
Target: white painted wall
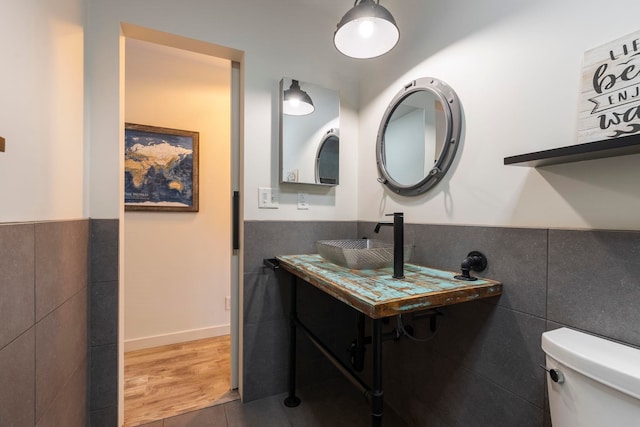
{"x": 177, "y": 265}
{"x": 516, "y": 66}
{"x": 41, "y": 110}
{"x": 280, "y": 38}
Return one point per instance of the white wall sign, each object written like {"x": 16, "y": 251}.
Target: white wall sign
{"x": 610, "y": 93}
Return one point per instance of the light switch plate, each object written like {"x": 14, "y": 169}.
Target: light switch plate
{"x": 303, "y": 201}
{"x": 267, "y": 198}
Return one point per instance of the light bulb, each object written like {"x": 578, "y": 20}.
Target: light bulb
{"x": 366, "y": 28}
{"x": 294, "y": 102}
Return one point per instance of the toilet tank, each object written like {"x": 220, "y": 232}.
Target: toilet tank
{"x": 601, "y": 386}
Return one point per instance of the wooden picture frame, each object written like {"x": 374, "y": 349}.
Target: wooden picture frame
{"x": 160, "y": 169}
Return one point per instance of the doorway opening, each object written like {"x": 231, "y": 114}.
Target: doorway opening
{"x": 180, "y": 269}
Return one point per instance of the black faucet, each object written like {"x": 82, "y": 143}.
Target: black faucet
{"x": 398, "y": 243}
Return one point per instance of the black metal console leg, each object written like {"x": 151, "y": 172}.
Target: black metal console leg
{"x": 292, "y": 401}
{"x": 377, "y": 402}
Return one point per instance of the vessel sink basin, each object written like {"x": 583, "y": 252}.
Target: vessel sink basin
{"x": 359, "y": 254}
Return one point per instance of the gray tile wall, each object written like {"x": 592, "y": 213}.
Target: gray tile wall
{"x": 594, "y": 282}
{"x": 43, "y": 313}
{"x": 266, "y": 302}
{"x": 485, "y": 354}
{"x": 103, "y": 320}
{"x": 481, "y": 366}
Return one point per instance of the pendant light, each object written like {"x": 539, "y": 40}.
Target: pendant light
{"x": 366, "y": 31}
{"x": 296, "y": 101}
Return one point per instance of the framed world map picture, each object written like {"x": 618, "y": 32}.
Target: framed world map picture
{"x": 160, "y": 169}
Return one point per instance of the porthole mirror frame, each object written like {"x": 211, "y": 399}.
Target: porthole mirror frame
{"x": 452, "y": 132}
{"x": 332, "y": 136}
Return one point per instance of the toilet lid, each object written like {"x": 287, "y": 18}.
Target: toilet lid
{"x": 607, "y": 362}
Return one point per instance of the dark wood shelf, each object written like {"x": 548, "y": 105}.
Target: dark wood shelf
{"x": 576, "y": 153}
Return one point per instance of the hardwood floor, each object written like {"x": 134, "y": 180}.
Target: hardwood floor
{"x": 165, "y": 381}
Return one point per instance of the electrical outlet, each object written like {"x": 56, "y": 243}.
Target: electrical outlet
{"x": 227, "y": 303}
{"x": 267, "y": 198}
{"x": 303, "y": 201}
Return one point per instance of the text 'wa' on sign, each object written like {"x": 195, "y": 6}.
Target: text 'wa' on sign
{"x": 610, "y": 93}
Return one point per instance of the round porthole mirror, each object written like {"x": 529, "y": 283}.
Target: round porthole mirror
{"x": 328, "y": 158}
{"x": 418, "y": 136}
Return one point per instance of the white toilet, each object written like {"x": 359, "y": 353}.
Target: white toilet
{"x": 593, "y": 382}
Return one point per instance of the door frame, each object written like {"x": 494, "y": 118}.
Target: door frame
{"x": 237, "y": 181}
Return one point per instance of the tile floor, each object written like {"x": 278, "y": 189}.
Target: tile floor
{"x": 336, "y": 403}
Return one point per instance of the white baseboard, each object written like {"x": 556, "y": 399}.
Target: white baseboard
{"x": 176, "y": 337}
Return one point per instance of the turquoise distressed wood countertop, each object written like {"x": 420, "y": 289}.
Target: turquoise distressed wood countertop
{"x": 377, "y": 294}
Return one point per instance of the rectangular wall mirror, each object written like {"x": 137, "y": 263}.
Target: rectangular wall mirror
{"x": 309, "y": 133}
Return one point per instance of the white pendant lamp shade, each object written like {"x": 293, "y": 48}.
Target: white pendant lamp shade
{"x": 297, "y": 102}
{"x": 366, "y": 31}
